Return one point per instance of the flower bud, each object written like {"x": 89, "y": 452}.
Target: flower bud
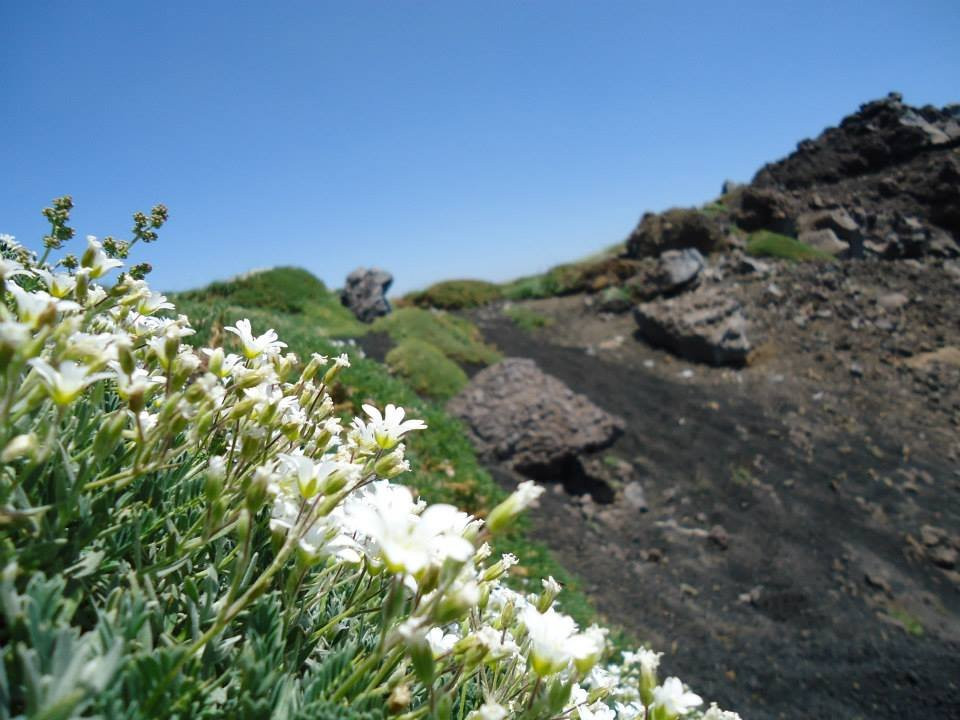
{"x": 110, "y": 432}
{"x": 256, "y": 493}
{"x": 21, "y": 446}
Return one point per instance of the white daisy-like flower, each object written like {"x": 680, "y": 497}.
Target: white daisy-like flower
{"x": 66, "y": 382}
{"x": 550, "y": 634}
{"x": 255, "y": 346}
{"x": 96, "y": 260}
{"x": 384, "y": 431}
{"x": 673, "y": 698}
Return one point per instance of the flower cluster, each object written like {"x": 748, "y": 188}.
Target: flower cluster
{"x": 270, "y": 492}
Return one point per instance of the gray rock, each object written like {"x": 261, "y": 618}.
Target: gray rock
{"x": 365, "y": 293}
{"x": 679, "y": 269}
{"x": 893, "y": 301}
{"x": 825, "y": 240}
{"x": 705, "y": 327}
{"x": 634, "y": 496}
{"x": 838, "y": 220}
{"x": 517, "y": 414}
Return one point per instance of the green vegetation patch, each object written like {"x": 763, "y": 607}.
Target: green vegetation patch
{"x": 426, "y": 369}
{"x": 527, "y": 319}
{"x": 456, "y": 294}
{"x": 284, "y": 289}
{"x": 770, "y": 244}
{"x": 456, "y": 337}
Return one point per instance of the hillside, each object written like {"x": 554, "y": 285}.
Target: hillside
{"x": 787, "y": 362}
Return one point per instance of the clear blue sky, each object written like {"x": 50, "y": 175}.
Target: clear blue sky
{"x": 436, "y": 139}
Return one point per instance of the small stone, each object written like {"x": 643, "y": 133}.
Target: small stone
{"x": 856, "y": 370}
{"x": 932, "y": 535}
{"x": 892, "y": 302}
{"x": 719, "y": 536}
{"x": 878, "y": 581}
{"x": 944, "y": 556}
{"x": 634, "y": 496}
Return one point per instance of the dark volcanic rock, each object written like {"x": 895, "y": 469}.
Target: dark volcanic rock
{"x": 366, "y": 293}
{"x": 677, "y": 229}
{"x": 701, "y": 326}
{"x": 883, "y": 133}
{"x": 884, "y": 164}
{"x": 517, "y": 414}
{"x": 766, "y": 209}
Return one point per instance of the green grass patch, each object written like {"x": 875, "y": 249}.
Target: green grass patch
{"x": 770, "y": 244}
{"x": 288, "y": 290}
{"x": 527, "y": 319}
{"x": 426, "y": 369}
{"x": 456, "y": 294}
{"x": 455, "y": 337}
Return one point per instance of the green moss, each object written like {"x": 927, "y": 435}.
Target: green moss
{"x": 455, "y": 337}
{"x": 527, "y": 319}
{"x": 770, "y": 244}
{"x": 456, "y": 294}
{"x": 426, "y": 369}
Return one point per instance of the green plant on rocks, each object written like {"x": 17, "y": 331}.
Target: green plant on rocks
{"x": 198, "y": 533}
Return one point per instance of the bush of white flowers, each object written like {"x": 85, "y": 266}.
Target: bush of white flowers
{"x": 199, "y": 534}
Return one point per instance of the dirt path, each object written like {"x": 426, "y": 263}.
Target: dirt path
{"x": 783, "y": 564}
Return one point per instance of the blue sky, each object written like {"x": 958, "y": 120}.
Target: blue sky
{"x": 435, "y": 139}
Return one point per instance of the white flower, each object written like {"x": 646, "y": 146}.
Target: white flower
{"x": 31, "y": 306}
{"x": 59, "y": 285}
{"x": 550, "y": 635}
{"x": 715, "y": 713}
{"x": 96, "y": 260}
{"x": 66, "y": 383}
{"x": 490, "y": 710}
{"x": 630, "y": 711}
{"x": 673, "y": 698}
{"x": 10, "y": 268}
{"x": 384, "y": 431}
{"x": 152, "y": 302}
{"x": 597, "y": 711}
{"x": 407, "y": 542}
{"x": 255, "y": 346}
{"x": 440, "y": 642}
{"x": 587, "y": 647}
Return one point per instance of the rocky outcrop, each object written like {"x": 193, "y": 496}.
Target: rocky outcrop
{"x": 518, "y": 415}
{"x": 886, "y": 181}
{"x": 677, "y": 229}
{"x": 704, "y": 326}
{"x": 365, "y": 293}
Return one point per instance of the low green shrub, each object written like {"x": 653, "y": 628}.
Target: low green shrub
{"x": 765, "y": 243}
{"x": 455, "y": 337}
{"x": 426, "y": 369}
{"x": 456, "y": 295}
{"x": 287, "y": 290}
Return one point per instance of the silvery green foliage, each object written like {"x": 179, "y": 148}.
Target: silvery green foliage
{"x": 201, "y": 534}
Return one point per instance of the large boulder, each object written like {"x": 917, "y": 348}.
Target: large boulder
{"x": 677, "y": 229}
{"x": 365, "y": 293}
{"x": 704, "y": 326}
{"x": 680, "y": 269}
{"x": 518, "y": 415}
{"x": 766, "y": 209}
